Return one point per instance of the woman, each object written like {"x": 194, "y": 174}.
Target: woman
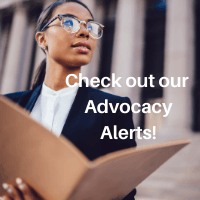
{"x": 68, "y": 35}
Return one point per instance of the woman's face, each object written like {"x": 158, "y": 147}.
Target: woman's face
{"x": 61, "y": 45}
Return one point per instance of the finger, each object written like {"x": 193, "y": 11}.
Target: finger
{"x": 7, "y": 188}
{"x": 5, "y": 198}
{"x": 12, "y": 191}
{"x": 25, "y": 189}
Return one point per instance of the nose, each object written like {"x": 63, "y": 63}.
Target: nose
{"x": 83, "y": 32}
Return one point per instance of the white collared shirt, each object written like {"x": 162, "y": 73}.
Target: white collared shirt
{"x": 52, "y": 107}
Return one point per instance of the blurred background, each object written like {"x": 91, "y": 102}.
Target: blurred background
{"x": 141, "y": 37}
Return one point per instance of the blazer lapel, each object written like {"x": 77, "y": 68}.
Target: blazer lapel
{"x": 33, "y": 98}
{"x": 77, "y": 109}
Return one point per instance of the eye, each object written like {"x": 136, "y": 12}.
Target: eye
{"x": 89, "y": 27}
{"x": 68, "y": 23}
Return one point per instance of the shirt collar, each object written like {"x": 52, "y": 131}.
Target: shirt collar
{"x": 46, "y": 91}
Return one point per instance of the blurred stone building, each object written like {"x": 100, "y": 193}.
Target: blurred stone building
{"x": 141, "y": 38}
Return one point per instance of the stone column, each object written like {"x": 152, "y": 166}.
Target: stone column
{"x": 27, "y": 56}
{"x": 3, "y": 49}
{"x": 179, "y": 61}
{"x": 128, "y": 47}
{"x": 16, "y": 44}
{"x": 4, "y": 32}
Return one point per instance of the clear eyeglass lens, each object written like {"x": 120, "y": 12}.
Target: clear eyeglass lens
{"x": 72, "y": 25}
{"x": 94, "y": 29}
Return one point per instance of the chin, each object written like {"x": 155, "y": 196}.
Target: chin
{"x": 75, "y": 62}
{"x": 81, "y": 61}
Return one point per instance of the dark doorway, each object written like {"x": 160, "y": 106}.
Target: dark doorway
{"x": 154, "y": 49}
{"x": 108, "y": 38}
{"x": 196, "y": 87}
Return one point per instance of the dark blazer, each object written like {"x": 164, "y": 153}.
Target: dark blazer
{"x": 85, "y": 129}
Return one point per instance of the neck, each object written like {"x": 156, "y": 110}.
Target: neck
{"x": 56, "y": 74}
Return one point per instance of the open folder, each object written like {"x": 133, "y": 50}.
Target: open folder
{"x": 57, "y": 170}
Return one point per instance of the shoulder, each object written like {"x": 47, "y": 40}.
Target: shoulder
{"x": 17, "y": 97}
{"x": 104, "y": 95}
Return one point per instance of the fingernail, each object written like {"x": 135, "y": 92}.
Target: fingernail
{"x": 20, "y": 183}
{"x": 7, "y": 188}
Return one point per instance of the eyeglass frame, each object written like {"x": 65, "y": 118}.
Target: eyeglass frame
{"x": 80, "y": 22}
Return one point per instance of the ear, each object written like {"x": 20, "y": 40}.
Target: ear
{"x": 41, "y": 40}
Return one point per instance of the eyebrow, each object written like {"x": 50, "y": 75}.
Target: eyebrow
{"x": 77, "y": 17}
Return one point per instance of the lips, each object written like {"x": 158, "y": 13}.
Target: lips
{"x": 82, "y": 46}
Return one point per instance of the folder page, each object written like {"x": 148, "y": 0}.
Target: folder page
{"x": 57, "y": 170}
{"x": 52, "y": 166}
{"x": 117, "y": 174}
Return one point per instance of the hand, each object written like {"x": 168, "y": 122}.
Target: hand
{"x": 19, "y": 191}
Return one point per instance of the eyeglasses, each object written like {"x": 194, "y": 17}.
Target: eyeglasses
{"x": 72, "y": 25}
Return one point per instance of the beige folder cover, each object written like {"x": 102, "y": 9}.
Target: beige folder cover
{"x": 58, "y": 170}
